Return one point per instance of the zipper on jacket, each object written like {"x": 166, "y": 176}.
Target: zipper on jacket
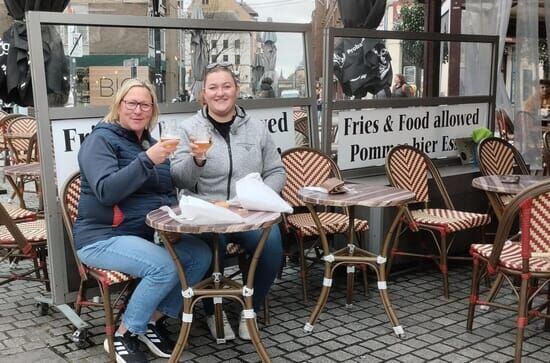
{"x": 227, "y": 141}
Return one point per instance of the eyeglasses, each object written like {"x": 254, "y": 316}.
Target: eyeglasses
{"x": 132, "y": 105}
{"x": 227, "y": 65}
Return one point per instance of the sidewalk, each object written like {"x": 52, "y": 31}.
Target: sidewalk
{"x": 435, "y": 328}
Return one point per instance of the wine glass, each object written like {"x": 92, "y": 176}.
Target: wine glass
{"x": 203, "y": 139}
{"x": 170, "y": 135}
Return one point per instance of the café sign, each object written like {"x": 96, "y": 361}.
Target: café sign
{"x": 366, "y": 136}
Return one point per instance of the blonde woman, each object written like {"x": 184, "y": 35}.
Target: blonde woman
{"x": 125, "y": 173}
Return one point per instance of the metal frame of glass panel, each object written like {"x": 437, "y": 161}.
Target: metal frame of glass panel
{"x": 330, "y": 105}
{"x": 60, "y": 294}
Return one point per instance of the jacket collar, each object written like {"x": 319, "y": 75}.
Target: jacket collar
{"x": 125, "y": 133}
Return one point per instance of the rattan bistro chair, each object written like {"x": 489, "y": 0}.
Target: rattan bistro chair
{"x": 527, "y": 261}
{"x": 499, "y": 157}
{"x": 408, "y": 168}
{"x": 307, "y": 167}
{"x": 21, "y": 140}
{"x": 546, "y": 152}
{"x": 106, "y": 279}
{"x": 23, "y": 237}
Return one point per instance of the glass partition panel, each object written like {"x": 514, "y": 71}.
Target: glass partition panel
{"x": 96, "y": 60}
{"x": 389, "y": 68}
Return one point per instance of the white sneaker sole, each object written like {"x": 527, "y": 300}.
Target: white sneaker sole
{"x": 119, "y": 359}
{"x": 153, "y": 348}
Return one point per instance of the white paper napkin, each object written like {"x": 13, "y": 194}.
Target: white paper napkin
{"x": 254, "y": 194}
{"x": 198, "y": 211}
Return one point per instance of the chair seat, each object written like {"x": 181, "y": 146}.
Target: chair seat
{"x": 332, "y": 223}
{"x": 452, "y": 220}
{"x": 511, "y": 257}
{"x": 34, "y": 231}
{"x": 108, "y": 277}
{"x": 18, "y": 214}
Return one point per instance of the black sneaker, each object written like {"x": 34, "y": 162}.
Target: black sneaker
{"x": 126, "y": 348}
{"x": 157, "y": 339}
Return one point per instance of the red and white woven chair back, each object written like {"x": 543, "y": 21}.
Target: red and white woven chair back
{"x": 408, "y": 170}
{"x": 71, "y": 198}
{"x": 21, "y": 139}
{"x": 496, "y": 157}
{"x": 535, "y": 226}
{"x": 305, "y": 167}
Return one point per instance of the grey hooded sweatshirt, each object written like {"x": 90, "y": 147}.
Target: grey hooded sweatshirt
{"x": 250, "y": 149}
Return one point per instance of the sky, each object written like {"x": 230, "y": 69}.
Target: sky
{"x": 284, "y": 11}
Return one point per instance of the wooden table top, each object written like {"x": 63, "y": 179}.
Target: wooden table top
{"x": 493, "y": 183}
{"x": 160, "y": 220}
{"x": 31, "y": 169}
{"x": 359, "y": 194}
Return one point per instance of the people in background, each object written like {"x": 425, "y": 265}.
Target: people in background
{"x": 239, "y": 145}
{"x": 539, "y": 100}
{"x": 400, "y": 87}
{"x": 125, "y": 173}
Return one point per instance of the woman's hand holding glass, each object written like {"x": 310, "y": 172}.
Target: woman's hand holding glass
{"x": 161, "y": 151}
{"x": 170, "y": 136}
{"x": 201, "y": 140}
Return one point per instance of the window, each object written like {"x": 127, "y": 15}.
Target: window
{"x": 225, "y": 58}
{"x": 205, "y": 2}
{"x": 237, "y": 43}
{"x": 214, "y": 58}
{"x": 214, "y": 43}
{"x": 225, "y": 44}
{"x": 237, "y": 59}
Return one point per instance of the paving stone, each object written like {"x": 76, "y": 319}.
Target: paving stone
{"x": 435, "y": 328}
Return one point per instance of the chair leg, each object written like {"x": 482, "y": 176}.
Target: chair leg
{"x": 267, "y": 317}
{"x": 522, "y": 316}
{"x": 303, "y": 267}
{"x": 474, "y": 292}
{"x": 547, "y": 320}
{"x": 364, "y": 268}
{"x": 109, "y": 323}
{"x": 443, "y": 265}
{"x": 80, "y": 297}
{"x": 393, "y": 247}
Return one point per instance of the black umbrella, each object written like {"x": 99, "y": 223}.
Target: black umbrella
{"x": 17, "y": 8}
{"x": 362, "y": 65}
{"x": 15, "y": 74}
{"x": 199, "y": 54}
{"x": 362, "y": 13}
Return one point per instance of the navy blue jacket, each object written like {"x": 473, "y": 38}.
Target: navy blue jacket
{"x": 119, "y": 185}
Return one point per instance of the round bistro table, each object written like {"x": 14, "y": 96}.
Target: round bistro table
{"x": 357, "y": 195}
{"x": 216, "y": 286}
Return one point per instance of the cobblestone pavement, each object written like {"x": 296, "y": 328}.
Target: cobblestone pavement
{"x": 435, "y": 328}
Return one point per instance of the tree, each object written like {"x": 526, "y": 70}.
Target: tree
{"x": 411, "y": 19}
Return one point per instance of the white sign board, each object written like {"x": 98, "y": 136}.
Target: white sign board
{"x": 366, "y": 136}
{"x": 68, "y": 135}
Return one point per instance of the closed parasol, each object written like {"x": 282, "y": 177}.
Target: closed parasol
{"x": 15, "y": 77}
{"x": 199, "y": 54}
{"x": 362, "y": 65}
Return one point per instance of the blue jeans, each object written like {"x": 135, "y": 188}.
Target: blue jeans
{"x": 268, "y": 265}
{"x": 159, "y": 287}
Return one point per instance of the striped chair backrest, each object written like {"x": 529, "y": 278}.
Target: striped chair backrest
{"x": 71, "y": 198}
{"x": 535, "y": 219}
{"x": 408, "y": 169}
{"x": 496, "y": 157}
{"x": 21, "y": 139}
{"x": 305, "y": 167}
